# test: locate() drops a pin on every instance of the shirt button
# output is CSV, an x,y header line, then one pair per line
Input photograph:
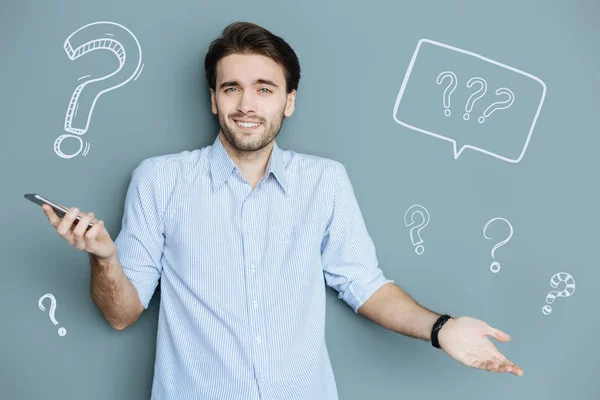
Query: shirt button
x,y
258,339
255,304
252,268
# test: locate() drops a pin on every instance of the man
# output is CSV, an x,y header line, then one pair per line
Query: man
x,y
241,234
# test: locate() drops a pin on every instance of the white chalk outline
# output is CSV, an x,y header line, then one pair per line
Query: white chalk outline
x,y
473,97
99,43
417,209
447,92
455,152
495,266
505,103
61,331
567,292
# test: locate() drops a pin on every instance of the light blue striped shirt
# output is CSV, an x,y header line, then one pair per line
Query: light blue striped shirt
x,y
243,271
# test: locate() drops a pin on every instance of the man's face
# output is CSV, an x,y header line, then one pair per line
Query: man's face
x,y
250,90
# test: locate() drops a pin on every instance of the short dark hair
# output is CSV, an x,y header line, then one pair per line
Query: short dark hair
x,y
249,38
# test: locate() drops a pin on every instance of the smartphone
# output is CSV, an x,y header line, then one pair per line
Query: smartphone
x,y
59,210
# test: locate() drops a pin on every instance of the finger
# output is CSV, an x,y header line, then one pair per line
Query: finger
x,y
52,217
64,227
80,229
94,230
505,365
482,365
498,334
509,366
500,357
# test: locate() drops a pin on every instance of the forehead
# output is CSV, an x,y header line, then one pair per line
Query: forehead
x,y
246,68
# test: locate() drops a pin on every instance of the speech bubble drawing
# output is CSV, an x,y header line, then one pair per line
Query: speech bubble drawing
x,y
504,135
101,35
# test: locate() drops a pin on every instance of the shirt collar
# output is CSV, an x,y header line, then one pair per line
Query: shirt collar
x,y
221,165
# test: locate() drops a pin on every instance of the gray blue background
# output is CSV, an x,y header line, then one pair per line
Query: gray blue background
x,y
354,56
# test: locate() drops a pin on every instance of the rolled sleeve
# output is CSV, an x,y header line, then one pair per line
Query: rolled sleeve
x,y
140,242
348,254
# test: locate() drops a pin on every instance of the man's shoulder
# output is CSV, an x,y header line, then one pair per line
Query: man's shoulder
x,y
305,161
174,161
181,157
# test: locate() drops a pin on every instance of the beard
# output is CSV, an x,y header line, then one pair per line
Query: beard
x,y
235,136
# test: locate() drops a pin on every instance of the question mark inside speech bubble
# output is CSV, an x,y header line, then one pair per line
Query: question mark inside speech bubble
x,y
495,266
102,35
61,331
496,106
447,92
479,93
556,279
409,220
416,106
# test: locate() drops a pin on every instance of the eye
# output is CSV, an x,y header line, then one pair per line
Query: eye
x,y
267,90
227,90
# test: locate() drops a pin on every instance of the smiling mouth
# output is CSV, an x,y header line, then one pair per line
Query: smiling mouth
x,y
249,126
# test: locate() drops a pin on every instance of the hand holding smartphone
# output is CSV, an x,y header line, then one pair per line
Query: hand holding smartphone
x,y
58,209
95,241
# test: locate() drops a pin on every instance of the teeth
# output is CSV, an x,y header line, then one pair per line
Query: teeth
x,y
247,124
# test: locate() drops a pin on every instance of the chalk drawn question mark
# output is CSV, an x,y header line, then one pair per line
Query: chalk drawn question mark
x,y
556,279
61,331
416,209
479,93
495,106
495,266
447,91
102,35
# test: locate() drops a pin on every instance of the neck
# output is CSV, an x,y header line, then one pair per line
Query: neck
x,y
252,164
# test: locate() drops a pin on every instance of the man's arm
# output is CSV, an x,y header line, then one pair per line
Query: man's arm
x,y
113,293
395,310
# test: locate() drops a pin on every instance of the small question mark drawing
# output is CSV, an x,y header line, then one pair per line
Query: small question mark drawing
x,y
496,106
556,279
61,331
495,266
479,93
413,210
102,35
449,89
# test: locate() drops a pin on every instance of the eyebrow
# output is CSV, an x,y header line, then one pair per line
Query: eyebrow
x,y
256,82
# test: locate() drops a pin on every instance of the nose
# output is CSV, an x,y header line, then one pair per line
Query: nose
x,y
247,104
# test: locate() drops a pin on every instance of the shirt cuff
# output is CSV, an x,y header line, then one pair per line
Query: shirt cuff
x,y
360,290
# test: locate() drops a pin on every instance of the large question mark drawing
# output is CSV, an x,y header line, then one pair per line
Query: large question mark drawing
x,y
479,93
556,279
449,89
61,331
102,35
413,210
495,266
496,106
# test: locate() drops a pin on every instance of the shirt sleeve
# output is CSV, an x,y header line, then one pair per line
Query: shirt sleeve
x,y
348,254
140,242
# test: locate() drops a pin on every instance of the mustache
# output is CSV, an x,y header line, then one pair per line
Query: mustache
x,y
252,118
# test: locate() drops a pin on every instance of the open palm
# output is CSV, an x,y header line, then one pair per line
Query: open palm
x,y
466,340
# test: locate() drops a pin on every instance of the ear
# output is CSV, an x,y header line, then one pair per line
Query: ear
x,y
213,101
291,100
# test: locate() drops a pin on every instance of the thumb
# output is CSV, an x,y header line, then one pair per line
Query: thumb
x,y
499,335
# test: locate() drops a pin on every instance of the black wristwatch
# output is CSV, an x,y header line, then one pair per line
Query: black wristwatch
x,y
436,328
